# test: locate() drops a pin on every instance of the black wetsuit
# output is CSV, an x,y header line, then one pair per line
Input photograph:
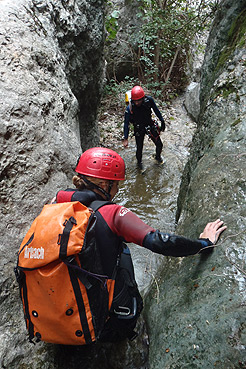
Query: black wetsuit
x,y
140,116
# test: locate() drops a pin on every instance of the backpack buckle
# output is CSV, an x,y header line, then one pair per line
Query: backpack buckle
x,y
122,310
71,220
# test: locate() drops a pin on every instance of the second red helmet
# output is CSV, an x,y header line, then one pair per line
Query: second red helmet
x,y
137,93
102,163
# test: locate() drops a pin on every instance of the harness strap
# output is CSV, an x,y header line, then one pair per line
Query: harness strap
x,y
64,237
81,307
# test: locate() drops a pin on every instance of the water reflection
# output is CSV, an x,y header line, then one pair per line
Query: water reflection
x,y
147,192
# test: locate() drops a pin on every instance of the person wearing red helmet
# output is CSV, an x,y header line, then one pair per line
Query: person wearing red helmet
x,y
139,112
99,171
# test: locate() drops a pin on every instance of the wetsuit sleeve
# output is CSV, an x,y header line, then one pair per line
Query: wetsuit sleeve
x,y
172,245
125,223
131,228
126,122
156,110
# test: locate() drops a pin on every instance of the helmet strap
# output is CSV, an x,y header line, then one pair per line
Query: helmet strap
x,y
92,186
110,186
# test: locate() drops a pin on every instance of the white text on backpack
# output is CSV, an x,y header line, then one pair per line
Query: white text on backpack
x,y
33,253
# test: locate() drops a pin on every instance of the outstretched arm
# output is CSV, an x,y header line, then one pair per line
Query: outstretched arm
x,y
172,245
131,228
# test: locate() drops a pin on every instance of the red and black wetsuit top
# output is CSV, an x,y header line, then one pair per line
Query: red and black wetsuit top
x,y
115,224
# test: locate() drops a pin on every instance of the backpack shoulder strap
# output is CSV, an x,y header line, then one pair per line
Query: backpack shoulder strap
x,y
130,107
97,204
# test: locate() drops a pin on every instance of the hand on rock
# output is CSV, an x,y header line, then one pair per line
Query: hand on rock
x,y
213,230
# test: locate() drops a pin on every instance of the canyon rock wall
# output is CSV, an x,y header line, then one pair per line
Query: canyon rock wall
x,y
51,75
196,317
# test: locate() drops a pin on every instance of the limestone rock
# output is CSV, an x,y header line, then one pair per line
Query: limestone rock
x,y
192,102
51,74
200,320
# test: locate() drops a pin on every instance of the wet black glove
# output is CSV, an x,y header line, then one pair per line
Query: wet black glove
x,y
172,245
163,126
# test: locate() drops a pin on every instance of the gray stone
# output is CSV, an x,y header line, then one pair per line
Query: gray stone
x,y
51,75
192,102
199,321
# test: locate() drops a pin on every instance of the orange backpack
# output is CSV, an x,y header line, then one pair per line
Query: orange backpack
x,y
66,299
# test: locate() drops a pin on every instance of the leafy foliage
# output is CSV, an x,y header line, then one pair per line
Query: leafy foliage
x,y
114,92
162,45
111,24
169,28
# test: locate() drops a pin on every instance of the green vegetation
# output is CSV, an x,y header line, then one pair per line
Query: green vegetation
x,y
114,94
114,88
236,38
111,24
161,46
225,90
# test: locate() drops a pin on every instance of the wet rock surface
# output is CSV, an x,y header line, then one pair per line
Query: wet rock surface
x,y
198,319
42,44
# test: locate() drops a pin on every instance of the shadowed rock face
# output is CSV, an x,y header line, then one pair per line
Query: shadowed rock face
x,y
120,51
199,318
51,73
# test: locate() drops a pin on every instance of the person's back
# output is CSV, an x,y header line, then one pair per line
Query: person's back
x,y
99,171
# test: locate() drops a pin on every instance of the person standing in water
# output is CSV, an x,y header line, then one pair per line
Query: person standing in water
x,y
139,112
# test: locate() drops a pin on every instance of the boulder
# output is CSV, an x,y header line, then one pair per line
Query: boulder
x,y
192,102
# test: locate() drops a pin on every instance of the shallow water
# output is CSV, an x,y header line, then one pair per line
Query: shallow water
x,y
152,193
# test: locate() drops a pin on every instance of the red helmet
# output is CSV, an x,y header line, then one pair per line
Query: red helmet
x,y
102,163
137,93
